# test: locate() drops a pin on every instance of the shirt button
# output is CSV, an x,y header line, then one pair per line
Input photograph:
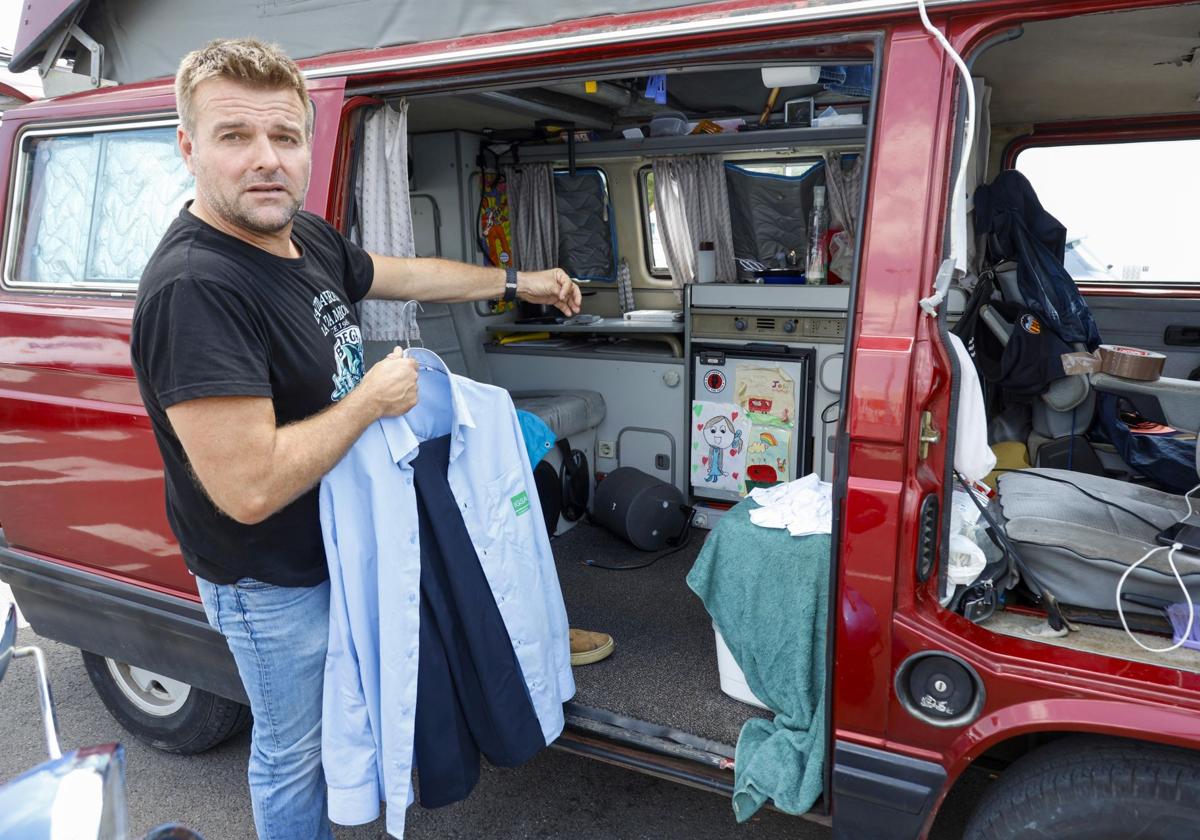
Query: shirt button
x,y
408,480
412,539
412,598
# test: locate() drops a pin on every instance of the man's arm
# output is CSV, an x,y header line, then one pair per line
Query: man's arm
x,y
251,468
446,281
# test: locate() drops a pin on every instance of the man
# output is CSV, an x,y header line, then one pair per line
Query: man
x,y
243,326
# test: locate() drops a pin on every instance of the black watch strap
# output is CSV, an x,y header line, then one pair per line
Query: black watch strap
x,y
510,283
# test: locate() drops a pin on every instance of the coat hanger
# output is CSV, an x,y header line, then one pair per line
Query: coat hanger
x,y
410,332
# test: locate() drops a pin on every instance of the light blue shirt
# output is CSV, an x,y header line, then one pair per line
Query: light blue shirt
x,y
369,522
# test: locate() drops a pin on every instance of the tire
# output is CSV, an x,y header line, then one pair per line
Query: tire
x,y
1093,788
166,714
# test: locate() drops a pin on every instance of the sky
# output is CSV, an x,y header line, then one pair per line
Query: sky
x,y
1135,203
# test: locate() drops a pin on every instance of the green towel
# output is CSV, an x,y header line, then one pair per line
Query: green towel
x,y
768,593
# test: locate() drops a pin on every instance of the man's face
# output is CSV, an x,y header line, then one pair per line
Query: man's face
x,y
249,153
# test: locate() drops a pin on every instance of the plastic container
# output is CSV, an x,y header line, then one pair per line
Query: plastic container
x,y
706,263
733,681
818,225
669,124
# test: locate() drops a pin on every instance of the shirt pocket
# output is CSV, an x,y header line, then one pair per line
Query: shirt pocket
x,y
511,509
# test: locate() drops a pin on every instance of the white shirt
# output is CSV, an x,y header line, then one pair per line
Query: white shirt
x,y
973,458
369,522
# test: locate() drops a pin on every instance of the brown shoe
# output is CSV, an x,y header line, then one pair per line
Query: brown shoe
x,y
588,647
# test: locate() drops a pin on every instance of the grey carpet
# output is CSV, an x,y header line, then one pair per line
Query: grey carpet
x,y
664,666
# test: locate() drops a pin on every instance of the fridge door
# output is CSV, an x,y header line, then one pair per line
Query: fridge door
x,y
750,422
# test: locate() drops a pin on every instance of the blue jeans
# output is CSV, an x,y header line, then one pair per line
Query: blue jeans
x,y
278,636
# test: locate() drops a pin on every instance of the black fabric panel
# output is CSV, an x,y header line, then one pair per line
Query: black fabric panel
x,y
768,214
585,236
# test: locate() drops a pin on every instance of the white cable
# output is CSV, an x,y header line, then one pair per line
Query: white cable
x,y
1183,637
958,205
1187,498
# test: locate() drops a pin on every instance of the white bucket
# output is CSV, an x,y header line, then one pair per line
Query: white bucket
x,y
733,681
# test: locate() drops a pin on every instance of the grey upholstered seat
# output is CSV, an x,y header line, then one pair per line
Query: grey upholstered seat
x,y
567,413
1079,546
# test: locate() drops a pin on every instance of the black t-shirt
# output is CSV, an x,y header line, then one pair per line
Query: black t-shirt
x,y
216,316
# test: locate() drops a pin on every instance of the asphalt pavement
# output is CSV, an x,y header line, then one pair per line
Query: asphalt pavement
x,y
554,796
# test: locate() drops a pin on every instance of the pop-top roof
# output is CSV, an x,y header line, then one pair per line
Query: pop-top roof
x,y
143,39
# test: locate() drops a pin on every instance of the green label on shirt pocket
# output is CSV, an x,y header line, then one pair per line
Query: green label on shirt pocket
x,y
520,503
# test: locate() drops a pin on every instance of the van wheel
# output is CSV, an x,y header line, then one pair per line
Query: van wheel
x,y
1093,788
165,713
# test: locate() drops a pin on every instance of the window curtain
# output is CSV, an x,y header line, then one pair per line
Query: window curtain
x,y
384,211
843,182
534,214
691,201
977,168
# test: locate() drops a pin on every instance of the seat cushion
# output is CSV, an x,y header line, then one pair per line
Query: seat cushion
x,y
565,412
1078,546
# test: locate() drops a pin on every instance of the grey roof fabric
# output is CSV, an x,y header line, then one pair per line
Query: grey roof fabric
x,y
585,233
1079,547
145,40
565,412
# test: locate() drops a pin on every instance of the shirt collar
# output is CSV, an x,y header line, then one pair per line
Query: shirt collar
x,y
402,443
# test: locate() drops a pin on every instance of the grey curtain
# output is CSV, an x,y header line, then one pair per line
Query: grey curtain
x,y
843,188
691,201
385,214
534,215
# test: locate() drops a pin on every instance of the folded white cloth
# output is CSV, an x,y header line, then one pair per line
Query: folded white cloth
x,y
803,506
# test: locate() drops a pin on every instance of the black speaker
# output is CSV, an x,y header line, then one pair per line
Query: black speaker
x,y
940,689
639,508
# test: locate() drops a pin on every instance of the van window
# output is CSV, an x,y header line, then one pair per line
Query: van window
x,y
92,206
655,252
1128,208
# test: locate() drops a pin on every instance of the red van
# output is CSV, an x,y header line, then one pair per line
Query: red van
x,y
1096,103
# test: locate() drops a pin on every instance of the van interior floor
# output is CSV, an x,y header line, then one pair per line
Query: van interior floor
x,y
664,664
1106,641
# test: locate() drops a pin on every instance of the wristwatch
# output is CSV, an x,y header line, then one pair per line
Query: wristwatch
x,y
510,283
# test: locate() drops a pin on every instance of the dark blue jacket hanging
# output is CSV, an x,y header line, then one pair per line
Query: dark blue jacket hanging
x,y
1019,229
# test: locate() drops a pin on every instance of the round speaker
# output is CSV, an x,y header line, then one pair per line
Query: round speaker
x,y
639,508
940,688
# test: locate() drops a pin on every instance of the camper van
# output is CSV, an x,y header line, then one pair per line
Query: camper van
x,y
794,211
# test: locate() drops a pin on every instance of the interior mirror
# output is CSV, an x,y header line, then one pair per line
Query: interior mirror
x,y
8,638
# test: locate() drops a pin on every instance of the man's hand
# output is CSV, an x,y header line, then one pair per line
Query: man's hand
x,y
391,384
552,286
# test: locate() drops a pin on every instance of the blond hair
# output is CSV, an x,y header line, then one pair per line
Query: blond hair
x,y
246,60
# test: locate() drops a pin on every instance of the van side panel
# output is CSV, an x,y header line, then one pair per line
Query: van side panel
x,y
80,475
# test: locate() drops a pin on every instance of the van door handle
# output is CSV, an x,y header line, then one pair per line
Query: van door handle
x,y
928,435
1178,335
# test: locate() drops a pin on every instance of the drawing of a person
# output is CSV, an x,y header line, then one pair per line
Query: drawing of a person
x,y
720,435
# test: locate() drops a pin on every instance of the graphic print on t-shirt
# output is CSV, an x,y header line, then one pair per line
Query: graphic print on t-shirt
x,y
333,317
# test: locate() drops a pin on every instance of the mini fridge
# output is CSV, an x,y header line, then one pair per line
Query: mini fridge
x,y
751,417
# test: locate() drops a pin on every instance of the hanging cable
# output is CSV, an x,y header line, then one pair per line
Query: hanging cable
x,y
957,261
